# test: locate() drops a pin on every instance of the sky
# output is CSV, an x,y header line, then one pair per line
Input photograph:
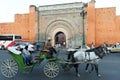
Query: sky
x,y
8,8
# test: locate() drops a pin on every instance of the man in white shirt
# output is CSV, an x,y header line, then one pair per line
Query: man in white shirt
x,y
26,55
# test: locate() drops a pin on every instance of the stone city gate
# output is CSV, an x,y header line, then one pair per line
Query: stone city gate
x,y
61,18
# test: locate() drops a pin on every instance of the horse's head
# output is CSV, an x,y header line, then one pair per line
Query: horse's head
x,y
100,51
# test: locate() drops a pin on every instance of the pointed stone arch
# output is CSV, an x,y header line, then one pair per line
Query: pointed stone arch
x,y
60,25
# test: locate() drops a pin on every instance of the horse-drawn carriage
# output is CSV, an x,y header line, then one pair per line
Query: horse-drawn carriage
x,y
10,67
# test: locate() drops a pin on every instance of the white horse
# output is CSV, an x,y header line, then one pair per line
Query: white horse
x,y
91,56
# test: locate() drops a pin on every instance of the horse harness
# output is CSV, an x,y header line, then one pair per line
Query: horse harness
x,y
96,50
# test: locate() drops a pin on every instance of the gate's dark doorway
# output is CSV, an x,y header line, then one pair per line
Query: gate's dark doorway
x,y
60,39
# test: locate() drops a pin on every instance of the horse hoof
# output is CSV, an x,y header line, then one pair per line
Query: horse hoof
x,y
86,71
99,75
66,70
78,75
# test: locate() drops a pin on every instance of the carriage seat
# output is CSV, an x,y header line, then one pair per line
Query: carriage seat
x,y
14,50
37,58
45,51
42,51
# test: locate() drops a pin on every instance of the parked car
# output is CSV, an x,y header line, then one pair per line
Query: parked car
x,y
114,48
39,45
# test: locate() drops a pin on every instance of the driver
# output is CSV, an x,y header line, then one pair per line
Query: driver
x,y
49,47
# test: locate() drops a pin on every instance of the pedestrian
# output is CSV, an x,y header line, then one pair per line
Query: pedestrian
x,y
64,44
70,45
106,44
92,45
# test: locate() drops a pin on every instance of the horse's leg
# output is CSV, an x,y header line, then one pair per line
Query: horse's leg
x,y
76,69
97,71
73,59
86,68
66,67
92,68
68,56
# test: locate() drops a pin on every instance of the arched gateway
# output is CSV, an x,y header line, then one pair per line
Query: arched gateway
x,y
60,38
58,26
62,19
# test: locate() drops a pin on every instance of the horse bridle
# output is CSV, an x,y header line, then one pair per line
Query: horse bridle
x,y
99,51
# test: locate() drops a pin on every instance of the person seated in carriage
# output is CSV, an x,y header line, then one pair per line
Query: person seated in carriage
x,y
50,48
27,58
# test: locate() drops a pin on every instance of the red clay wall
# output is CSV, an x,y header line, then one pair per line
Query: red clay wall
x,y
6,28
118,28
32,24
90,29
24,25
103,24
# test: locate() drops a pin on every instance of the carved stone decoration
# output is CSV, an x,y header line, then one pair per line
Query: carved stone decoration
x,y
65,18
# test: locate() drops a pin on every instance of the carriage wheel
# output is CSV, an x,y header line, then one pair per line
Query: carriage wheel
x,y
9,68
51,69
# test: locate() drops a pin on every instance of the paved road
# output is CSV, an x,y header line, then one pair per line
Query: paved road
x,y
109,67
